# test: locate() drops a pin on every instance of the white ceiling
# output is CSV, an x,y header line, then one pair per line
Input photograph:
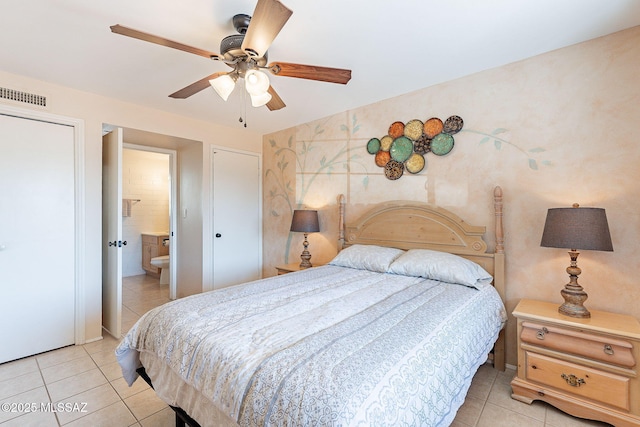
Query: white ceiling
x,y
393,47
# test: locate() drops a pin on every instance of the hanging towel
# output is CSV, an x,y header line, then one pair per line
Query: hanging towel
x,y
126,207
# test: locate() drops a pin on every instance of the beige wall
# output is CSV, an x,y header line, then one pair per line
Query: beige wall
x,y
551,130
96,110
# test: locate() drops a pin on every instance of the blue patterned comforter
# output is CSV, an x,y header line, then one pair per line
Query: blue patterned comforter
x,y
329,346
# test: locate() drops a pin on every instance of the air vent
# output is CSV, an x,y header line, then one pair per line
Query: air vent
x,y
24,97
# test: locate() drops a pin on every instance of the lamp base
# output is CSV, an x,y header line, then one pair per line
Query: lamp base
x,y
573,300
305,260
573,294
305,256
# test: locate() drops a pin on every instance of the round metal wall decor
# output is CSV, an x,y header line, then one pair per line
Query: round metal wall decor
x,y
401,149
373,146
382,158
406,144
441,144
415,163
393,170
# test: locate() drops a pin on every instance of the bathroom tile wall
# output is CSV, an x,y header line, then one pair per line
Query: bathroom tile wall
x,y
145,177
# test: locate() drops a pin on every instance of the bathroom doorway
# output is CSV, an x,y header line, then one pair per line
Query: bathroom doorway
x,y
148,220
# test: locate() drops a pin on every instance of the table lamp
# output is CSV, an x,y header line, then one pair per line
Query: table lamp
x,y
305,221
576,228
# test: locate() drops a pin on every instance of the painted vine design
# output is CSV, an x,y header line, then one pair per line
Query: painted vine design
x,y
499,141
283,187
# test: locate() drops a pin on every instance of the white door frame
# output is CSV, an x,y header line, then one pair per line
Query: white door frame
x,y
173,219
207,283
79,203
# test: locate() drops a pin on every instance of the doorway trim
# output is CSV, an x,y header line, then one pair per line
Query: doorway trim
x,y
79,204
173,221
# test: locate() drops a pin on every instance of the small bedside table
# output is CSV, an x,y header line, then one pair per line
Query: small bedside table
x,y
585,367
288,268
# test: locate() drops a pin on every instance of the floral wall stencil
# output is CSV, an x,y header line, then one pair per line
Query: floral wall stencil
x,y
299,168
552,130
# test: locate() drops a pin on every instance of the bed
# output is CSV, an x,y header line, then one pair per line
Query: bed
x,y
390,332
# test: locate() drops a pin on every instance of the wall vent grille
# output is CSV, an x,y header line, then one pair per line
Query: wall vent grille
x,y
25,97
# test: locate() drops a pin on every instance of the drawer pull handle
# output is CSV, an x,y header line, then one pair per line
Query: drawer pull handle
x,y
608,349
541,333
572,380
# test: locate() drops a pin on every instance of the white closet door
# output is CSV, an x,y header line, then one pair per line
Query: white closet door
x,y
236,218
37,237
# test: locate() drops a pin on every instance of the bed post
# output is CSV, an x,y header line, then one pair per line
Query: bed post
x,y
341,204
499,276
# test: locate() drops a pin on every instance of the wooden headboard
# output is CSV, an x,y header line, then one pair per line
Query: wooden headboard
x,y
411,225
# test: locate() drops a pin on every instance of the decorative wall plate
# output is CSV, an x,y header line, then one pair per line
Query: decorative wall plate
x,y
453,125
442,144
396,130
401,149
382,158
415,163
373,146
413,129
385,143
432,127
393,170
422,145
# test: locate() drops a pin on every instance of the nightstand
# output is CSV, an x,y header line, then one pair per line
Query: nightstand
x,y
288,268
585,367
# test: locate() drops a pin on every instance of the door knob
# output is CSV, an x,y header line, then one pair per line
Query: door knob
x,y
218,235
114,243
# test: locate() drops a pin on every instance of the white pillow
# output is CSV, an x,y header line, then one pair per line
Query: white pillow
x,y
441,266
367,257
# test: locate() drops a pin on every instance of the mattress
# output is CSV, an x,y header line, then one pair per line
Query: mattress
x,y
329,346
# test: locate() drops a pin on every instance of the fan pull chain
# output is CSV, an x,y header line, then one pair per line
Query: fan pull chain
x,y
244,105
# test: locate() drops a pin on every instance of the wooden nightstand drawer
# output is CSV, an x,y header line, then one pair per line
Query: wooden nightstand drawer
x,y
586,382
597,347
587,367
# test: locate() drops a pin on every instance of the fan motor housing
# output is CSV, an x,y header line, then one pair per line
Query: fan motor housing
x,y
231,48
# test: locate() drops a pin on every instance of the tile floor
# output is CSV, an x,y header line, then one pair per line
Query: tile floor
x,y
90,374
87,374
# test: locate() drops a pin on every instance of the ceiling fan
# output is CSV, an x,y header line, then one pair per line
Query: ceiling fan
x,y
246,54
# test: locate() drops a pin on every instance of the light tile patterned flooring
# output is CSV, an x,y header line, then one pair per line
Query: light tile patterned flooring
x,y
89,373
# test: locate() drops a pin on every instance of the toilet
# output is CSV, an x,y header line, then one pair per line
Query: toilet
x,y
163,263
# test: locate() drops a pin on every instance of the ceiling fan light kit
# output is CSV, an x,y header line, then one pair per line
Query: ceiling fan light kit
x,y
246,54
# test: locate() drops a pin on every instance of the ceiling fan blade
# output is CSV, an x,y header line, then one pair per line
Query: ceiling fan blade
x,y
130,32
196,87
268,19
276,102
310,72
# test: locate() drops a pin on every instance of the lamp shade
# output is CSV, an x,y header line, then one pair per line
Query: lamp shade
x,y
577,228
256,82
223,85
260,100
305,221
